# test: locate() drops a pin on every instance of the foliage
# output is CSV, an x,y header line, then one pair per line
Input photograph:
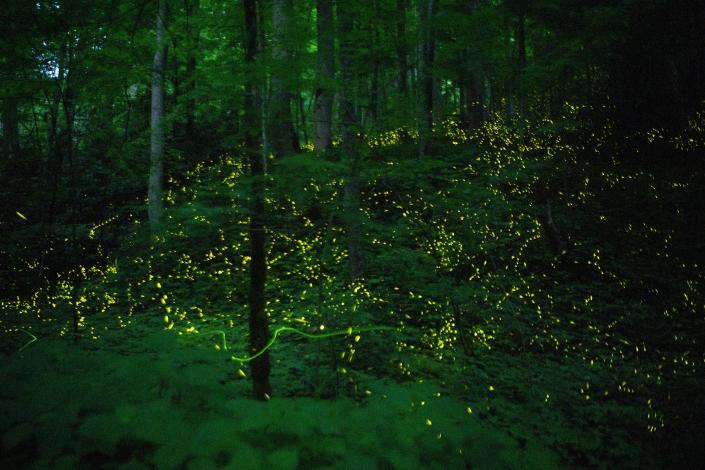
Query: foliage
x,y
532,292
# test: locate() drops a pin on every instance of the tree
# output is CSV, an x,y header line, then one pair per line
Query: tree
x,y
402,55
259,328
282,135
325,68
192,7
10,128
521,58
350,145
156,167
426,51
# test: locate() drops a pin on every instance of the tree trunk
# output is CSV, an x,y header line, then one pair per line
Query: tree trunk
x,y
325,69
259,328
128,114
282,135
55,161
438,106
175,87
190,78
350,144
373,109
265,87
521,52
402,57
488,106
426,13
156,168
68,102
10,128
301,110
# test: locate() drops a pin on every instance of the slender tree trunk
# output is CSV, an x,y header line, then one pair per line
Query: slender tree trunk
x,y
259,328
521,52
426,12
191,101
402,56
156,167
176,130
463,103
350,144
264,91
438,106
374,102
10,128
510,82
54,173
282,135
55,161
69,119
325,68
302,115
128,114
374,95
68,102
372,110
192,7
488,106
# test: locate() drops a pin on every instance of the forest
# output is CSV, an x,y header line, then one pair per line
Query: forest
x,y
354,234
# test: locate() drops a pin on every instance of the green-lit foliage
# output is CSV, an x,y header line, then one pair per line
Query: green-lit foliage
x,y
462,264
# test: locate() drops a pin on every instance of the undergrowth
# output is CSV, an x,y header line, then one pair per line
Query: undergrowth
x,y
545,307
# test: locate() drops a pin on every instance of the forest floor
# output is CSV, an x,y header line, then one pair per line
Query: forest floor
x,y
504,354
142,399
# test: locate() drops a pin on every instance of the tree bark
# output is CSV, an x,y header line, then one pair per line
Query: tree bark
x,y
488,106
402,56
350,144
10,128
259,328
68,101
282,134
426,11
55,161
265,87
128,115
325,69
192,7
521,62
374,100
156,167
